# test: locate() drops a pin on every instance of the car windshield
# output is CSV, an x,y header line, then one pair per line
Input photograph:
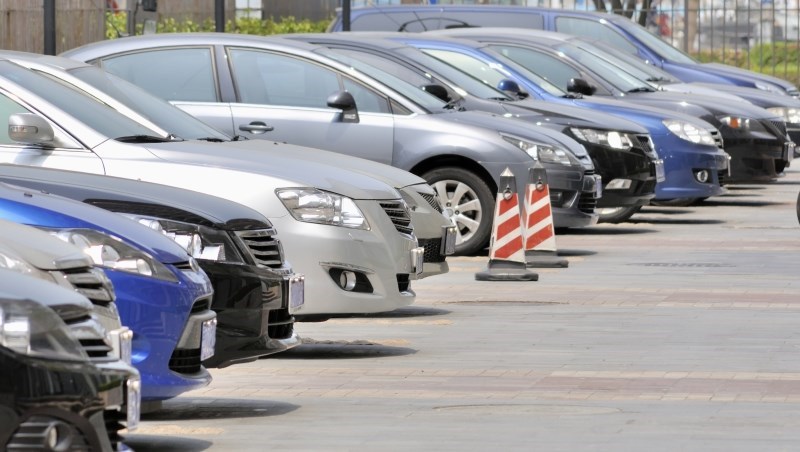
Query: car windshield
x,y
630,63
411,92
613,74
488,73
654,43
89,110
163,114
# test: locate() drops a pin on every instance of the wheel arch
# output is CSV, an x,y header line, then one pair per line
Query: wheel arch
x,y
442,161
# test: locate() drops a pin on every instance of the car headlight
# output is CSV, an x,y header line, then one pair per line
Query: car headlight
x,y
689,132
110,252
736,122
790,115
200,242
316,206
542,152
610,138
31,329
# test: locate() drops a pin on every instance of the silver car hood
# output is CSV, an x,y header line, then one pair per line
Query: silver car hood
x,y
39,248
517,127
291,156
289,173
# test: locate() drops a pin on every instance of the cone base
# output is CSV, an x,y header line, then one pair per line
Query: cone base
x,y
544,259
506,271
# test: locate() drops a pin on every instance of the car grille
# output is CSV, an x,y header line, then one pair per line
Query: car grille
x,y
717,138
432,200
403,282
280,324
92,283
587,203
398,213
185,361
31,435
432,250
781,126
96,346
263,247
646,142
721,175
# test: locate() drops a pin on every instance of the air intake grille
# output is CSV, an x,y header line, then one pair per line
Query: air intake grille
x,y
90,335
91,283
646,142
398,213
432,250
403,282
185,361
781,126
264,248
280,324
432,200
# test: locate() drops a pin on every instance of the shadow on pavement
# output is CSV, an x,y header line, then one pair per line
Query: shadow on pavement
x,y
605,230
667,220
156,443
194,408
409,311
575,253
737,203
357,349
664,210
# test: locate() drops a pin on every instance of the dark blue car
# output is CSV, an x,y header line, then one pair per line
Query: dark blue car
x,y
162,294
616,30
694,162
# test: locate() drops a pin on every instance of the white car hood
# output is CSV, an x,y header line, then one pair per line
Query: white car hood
x,y
693,88
289,172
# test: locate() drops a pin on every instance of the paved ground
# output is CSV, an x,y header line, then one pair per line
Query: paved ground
x,y
678,331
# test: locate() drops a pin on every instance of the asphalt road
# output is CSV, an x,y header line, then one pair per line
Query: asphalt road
x,y
676,331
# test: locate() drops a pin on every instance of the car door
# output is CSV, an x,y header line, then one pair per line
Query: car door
x,y
69,154
284,98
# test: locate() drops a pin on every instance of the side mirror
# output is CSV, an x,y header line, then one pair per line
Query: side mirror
x,y
28,128
580,86
342,100
509,86
438,91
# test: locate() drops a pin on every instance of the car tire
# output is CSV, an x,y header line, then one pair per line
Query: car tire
x,y
616,214
457,188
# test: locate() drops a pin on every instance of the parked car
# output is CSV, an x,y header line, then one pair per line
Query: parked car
x,y
616,30
51,395
288,92
694,162
335,224
755,138
239,250
434,231
37,267
629,171
161,293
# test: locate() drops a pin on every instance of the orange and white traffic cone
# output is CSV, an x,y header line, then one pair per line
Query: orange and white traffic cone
x,y
540,236
506,256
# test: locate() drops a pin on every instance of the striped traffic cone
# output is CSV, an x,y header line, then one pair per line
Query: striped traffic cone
x,y
540,236
506,256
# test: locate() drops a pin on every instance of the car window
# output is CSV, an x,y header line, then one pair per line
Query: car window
x,y
8,107
367,100
546,66
421,20
273,79
594,29
171,74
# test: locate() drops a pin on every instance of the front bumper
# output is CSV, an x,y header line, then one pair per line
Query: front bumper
x,y
380,258
253,318
633,166
36,393
159,312
682,160
754,160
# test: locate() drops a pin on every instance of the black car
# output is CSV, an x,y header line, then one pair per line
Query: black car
x,y
254,286
629,175
53,396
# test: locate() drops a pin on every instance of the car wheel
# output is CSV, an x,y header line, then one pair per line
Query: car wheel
x,y
616,214
677,202
469,201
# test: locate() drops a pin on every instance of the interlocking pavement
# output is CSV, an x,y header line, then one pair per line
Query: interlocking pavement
x,y
676,331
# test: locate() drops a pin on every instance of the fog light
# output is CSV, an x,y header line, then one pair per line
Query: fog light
x,y
556,197
57,436
347,280
618,184
702,176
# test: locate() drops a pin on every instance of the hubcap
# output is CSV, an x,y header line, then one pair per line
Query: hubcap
x,y
459,198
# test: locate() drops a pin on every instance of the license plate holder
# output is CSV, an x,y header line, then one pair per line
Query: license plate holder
x,y
660,176
297,292
133,403
417,259
448,240
788,151
208,339
598,187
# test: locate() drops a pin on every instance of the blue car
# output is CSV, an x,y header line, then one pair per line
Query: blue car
x,y
162,294
618,31
694,163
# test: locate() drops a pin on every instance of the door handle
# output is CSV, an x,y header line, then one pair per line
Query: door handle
x,y
256,128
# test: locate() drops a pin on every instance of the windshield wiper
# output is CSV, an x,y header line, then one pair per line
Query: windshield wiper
x,y
211,139
642,89
147,139
454,104
657,79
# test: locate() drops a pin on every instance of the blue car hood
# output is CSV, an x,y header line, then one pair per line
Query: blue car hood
x,y
570,115
743,75
42,209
